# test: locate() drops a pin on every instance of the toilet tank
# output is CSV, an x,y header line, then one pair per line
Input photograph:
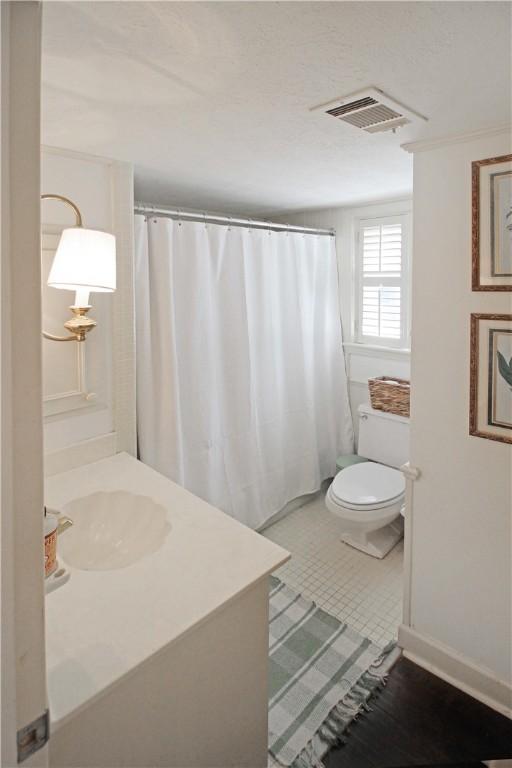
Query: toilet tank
x,y
383,437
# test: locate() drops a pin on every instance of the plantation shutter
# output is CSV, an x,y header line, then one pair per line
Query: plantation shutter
x,y
382,300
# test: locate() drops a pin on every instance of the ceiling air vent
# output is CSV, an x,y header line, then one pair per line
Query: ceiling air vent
x,y
370,110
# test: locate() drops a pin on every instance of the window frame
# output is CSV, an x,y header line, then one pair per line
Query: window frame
x,y
404,342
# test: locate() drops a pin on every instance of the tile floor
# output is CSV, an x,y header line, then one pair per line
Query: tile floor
x,y
358,589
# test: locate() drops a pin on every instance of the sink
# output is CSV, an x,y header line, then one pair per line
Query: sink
x,y
112,530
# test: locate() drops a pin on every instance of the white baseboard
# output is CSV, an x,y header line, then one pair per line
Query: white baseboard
x,y
81,453
456,669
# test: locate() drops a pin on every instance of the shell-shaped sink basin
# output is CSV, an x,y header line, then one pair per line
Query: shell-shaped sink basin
x,y
111,530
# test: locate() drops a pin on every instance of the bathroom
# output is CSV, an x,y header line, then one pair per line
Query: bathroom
x,y
219,420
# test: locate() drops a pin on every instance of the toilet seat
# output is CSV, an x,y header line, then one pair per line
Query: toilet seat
x,y
367,486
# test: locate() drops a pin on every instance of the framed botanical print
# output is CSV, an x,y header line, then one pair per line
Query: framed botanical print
x,y
492,224
491,377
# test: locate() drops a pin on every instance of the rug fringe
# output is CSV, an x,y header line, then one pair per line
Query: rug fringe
x,y
353,705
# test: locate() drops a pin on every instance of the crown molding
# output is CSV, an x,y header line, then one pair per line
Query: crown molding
x,y
75,155
444,141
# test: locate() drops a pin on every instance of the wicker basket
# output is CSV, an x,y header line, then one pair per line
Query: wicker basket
x,y
390,394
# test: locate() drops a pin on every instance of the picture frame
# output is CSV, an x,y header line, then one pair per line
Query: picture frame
x,y
492,224
490,411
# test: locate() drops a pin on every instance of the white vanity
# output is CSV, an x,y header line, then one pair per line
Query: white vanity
x,y
157,646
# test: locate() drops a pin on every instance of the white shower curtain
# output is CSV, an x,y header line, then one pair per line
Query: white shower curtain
x,y
241,386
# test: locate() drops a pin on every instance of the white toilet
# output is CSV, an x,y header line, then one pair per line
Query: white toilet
x,y
368,497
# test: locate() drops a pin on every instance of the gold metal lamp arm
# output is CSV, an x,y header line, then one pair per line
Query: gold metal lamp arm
x,y
69,202
52,337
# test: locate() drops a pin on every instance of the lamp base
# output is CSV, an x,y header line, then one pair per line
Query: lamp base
x,y
80,324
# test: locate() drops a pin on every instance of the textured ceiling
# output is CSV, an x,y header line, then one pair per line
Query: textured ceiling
x,y
211,100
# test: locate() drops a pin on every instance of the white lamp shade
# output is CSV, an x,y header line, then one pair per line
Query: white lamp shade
x,y
85,259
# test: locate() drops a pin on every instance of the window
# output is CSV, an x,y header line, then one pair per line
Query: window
x,y
382,282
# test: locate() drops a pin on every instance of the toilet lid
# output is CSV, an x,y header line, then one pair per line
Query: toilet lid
x,y
368,484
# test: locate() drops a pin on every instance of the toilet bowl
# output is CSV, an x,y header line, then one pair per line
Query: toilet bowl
x,y
367,498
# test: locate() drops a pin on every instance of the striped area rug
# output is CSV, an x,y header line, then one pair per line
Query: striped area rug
x,y
322,673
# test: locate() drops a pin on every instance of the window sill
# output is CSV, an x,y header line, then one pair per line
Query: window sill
x,y
376,350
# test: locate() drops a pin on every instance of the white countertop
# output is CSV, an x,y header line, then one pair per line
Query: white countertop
x,y
103,624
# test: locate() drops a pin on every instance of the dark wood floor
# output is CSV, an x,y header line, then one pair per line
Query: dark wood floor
x,y
419,720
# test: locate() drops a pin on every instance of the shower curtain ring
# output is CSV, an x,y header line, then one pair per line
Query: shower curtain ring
x,y
204,220
179,217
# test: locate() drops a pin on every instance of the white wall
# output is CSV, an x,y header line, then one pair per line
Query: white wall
x,y
91,415
461,537
363,361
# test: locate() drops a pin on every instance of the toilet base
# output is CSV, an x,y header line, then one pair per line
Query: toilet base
x,y
377,543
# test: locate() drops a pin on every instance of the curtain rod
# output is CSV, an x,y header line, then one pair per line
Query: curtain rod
x,y
176,213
